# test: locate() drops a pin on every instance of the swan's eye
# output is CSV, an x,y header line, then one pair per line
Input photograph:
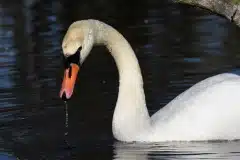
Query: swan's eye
x,y
79,49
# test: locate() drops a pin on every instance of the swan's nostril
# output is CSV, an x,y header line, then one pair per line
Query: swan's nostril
x,y
64,97
70,72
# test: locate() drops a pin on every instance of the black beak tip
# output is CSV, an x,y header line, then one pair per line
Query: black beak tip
x,y
64,97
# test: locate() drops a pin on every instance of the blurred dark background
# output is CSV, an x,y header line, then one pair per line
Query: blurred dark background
x,y
177,46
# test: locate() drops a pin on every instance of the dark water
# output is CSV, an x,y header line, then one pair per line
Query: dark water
x,y
176,45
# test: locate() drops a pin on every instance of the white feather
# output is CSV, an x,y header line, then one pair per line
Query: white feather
x,y
208,110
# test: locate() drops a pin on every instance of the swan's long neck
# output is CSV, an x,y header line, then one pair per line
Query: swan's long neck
x,y
130,117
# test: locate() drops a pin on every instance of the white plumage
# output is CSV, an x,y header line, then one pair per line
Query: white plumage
x,y
209,110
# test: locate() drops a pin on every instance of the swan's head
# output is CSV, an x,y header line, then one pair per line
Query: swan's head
x,y
76,46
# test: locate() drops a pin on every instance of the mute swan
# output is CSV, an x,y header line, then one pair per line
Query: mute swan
x,y
209,110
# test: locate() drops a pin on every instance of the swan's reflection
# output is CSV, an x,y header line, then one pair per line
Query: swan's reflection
x,y
130,151
176,150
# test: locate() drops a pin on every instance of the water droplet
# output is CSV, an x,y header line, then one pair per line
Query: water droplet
x,y
66,119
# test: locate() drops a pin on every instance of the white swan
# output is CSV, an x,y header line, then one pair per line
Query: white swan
x,y
209,110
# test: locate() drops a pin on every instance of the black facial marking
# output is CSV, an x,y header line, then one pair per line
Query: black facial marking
x,y
75,58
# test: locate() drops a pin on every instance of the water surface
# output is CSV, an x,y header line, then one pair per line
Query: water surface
x,y
177,46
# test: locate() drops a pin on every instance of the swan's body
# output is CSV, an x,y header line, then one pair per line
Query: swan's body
x,y
208,110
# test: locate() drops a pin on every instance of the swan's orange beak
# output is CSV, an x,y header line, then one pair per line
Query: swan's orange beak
x,y
69,79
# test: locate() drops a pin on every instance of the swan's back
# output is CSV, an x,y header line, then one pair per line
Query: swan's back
x,y
208,110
